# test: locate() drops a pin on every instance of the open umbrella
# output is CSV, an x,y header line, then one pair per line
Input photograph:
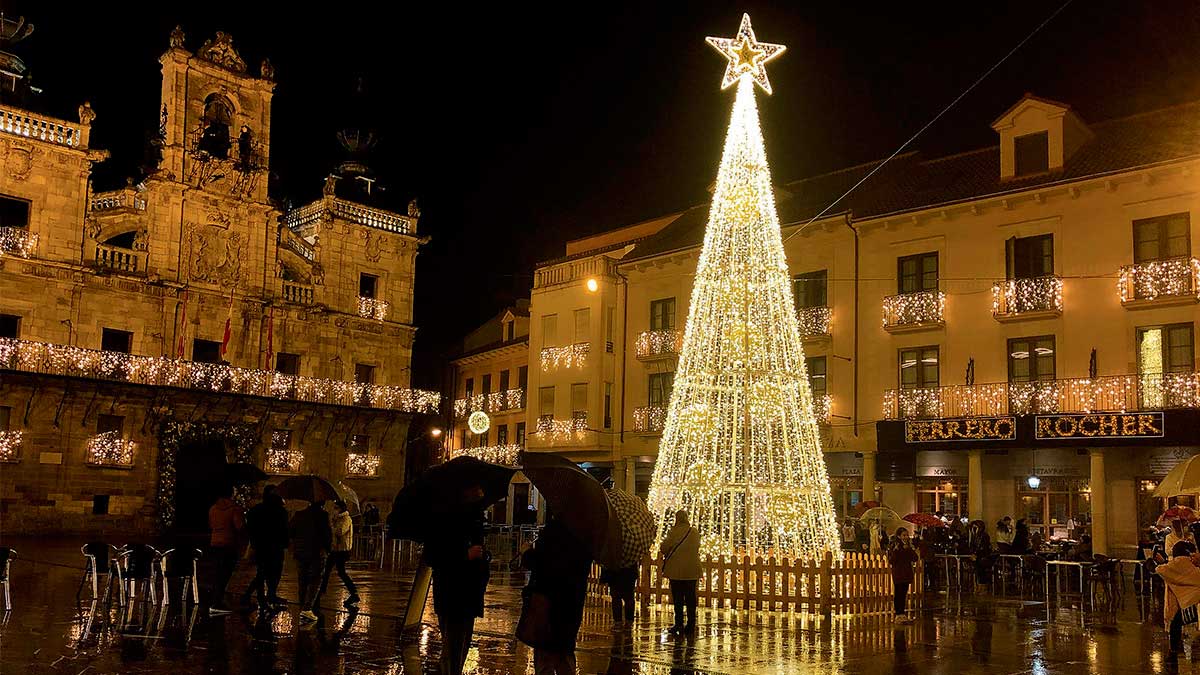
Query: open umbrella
x,y
240,473
349,496
439,491
578,501
637,526
882,516
1183,513
1184,479
925,520
308,489
862,507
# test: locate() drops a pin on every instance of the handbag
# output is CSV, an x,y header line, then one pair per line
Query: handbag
x,y
534,627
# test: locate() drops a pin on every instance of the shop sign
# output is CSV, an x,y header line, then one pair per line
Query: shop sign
x,y
1104,425
967,429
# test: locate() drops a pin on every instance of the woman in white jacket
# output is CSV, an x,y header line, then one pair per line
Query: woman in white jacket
x,y
681,564
343,542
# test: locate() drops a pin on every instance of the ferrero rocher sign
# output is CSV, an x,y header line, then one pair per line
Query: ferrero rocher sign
x,y
1100,425
966,429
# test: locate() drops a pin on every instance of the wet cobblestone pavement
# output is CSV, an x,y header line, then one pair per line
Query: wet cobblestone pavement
x,y
47,633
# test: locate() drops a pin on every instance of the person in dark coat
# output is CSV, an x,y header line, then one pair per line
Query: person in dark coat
x,y
454,550
1020,542
559,565
312,539
621,582
267,523
902,557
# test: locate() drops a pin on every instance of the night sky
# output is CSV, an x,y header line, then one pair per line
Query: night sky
x,y
519,129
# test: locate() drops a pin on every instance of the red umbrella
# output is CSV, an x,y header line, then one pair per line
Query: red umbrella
x,y
924,520
1179,513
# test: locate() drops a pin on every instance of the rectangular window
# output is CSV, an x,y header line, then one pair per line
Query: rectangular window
x,y
1031,359
487,384
1166,349
206,351
1029,257
546,401
288,364
10,326
660,389
609,313
368,285
360,444
1162,237
509,330
662,314
1032,153
550,330
579,398
608,405
469,387
107,423
462,440
281,439
812,289
521,434
100,505
13,212
583,319
504,380
112,340
523,377
817,379
5,417
364,374
919,368
918,272
502,434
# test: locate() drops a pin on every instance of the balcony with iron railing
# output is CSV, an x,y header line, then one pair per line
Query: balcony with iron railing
x,y
10,445
111,450
550,431
658,344
160,371
1160,282
814,322
499,401
284,461
119,259
373,308
823,408
1110,393
505,455
18,241
362,465
914,311
649,419
569,356
1029,298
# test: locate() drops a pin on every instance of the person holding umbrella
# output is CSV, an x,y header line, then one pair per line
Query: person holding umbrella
x,y
311,538
558,567
343,541
454,550
267,523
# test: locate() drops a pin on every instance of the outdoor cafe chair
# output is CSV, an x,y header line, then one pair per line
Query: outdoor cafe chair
x,y
1034,568
6,557
101,558
181,564
1104,573
138,563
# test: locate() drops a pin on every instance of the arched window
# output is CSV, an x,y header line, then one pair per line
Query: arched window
x,y
218,115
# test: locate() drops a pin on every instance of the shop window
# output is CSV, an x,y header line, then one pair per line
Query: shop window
x,y
1029,257
1031,359
662,314
1032,153
1059,509
1162,237
812,289
942,496
918,273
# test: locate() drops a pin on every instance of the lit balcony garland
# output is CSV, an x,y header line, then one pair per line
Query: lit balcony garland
x,y
10,445
17,241
362,465
740,449
551,431
371,308
655,343
570,356
510,399
40,357
1112,393
1018,296
649,419
1172,277
823,408
814,321
109,449
907,309
281,458
496,454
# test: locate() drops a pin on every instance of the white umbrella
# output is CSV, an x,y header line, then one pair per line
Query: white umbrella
x,y
1184,479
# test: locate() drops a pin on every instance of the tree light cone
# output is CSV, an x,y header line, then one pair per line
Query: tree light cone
x,y
741,451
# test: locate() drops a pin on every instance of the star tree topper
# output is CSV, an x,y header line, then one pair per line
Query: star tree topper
x,y
747,56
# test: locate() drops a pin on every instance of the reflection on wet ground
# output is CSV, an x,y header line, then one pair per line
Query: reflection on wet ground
x,y
47,632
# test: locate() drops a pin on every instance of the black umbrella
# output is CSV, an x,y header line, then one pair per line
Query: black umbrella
x,y
240,473
577,499
439,491
308,488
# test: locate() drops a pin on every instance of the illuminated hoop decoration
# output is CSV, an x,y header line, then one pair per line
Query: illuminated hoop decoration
x,y
479,422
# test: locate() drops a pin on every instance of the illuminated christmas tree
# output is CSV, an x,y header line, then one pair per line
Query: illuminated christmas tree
x,y
741,451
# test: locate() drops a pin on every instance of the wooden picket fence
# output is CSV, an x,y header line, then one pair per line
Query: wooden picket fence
x,y
836,583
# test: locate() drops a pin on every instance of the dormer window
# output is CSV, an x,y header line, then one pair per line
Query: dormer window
x,y
1032,153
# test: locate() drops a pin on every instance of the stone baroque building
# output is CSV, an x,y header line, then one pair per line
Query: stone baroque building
x,y
150,334
1026,310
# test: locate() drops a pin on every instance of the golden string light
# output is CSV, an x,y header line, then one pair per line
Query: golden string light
x,y
362,465
650,418
109,449
284,461
10,445
741,449
1169,277
510,399
653,343
40,357
496,454
17,241
370,308
814,320
570,356
913,308
1017,296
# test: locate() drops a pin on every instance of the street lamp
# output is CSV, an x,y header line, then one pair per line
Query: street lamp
x,y
1033,482
436,432
592,285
